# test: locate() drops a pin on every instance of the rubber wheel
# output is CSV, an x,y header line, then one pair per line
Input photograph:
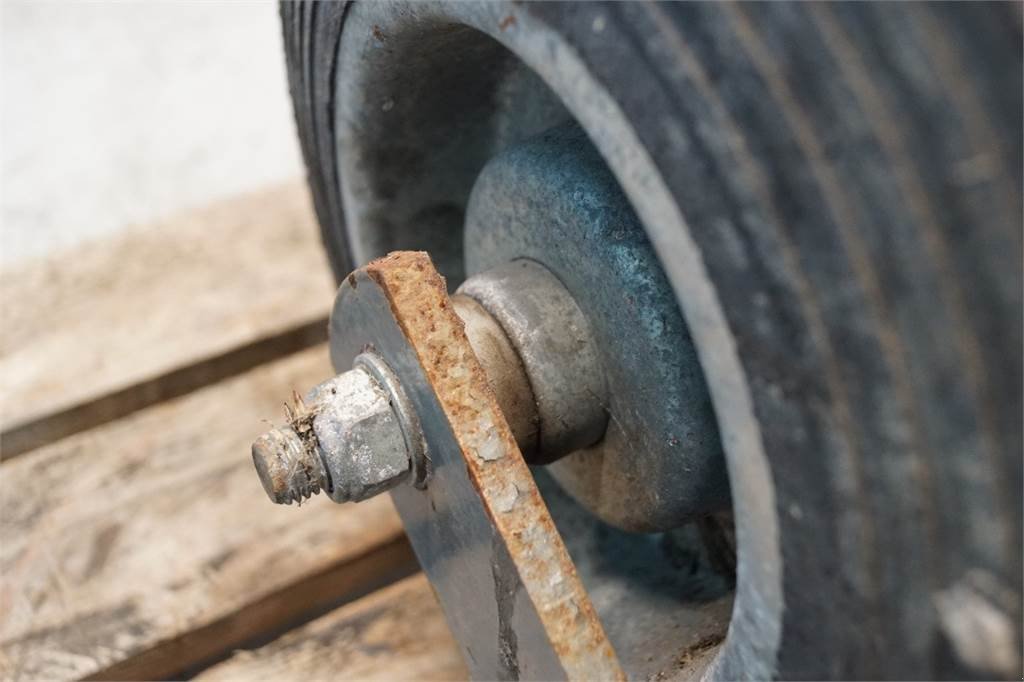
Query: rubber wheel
x,y
851,175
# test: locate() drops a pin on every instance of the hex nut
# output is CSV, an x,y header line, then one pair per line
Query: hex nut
x,y
360,437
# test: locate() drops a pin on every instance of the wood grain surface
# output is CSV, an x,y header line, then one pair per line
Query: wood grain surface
x,y
397,633
108,328
144,547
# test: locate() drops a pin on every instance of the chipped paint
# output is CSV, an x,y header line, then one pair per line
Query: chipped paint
x,y
505,501
491,449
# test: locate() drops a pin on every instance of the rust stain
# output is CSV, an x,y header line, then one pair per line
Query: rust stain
x,y
378,34
418,298
507,22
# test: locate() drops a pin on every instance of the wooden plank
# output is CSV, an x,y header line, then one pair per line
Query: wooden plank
x,y
398,633
147,546
95,333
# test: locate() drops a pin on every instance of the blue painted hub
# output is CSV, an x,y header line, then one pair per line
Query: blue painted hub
x,y
552,199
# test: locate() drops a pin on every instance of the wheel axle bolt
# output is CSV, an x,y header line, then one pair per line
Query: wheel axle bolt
x,y
360,434
288,470
349,441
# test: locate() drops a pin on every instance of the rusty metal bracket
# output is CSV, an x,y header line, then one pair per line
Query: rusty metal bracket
x,y
483,534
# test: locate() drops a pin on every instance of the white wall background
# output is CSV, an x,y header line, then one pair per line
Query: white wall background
x,y
113,115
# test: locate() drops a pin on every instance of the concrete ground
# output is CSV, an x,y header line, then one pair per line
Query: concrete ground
x,y
113,115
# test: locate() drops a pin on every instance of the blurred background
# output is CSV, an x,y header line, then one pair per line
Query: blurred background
x,y
117,114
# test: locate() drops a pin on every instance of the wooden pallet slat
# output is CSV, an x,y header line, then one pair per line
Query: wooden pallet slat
x,y
136,540
114,326
143,547
397,633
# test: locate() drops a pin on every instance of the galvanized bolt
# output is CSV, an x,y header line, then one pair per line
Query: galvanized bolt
x,y
288,470
350,441
360,434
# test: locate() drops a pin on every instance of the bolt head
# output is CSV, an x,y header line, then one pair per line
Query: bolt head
x,y
360,436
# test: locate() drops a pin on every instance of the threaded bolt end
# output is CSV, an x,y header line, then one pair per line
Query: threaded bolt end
x,y
288,469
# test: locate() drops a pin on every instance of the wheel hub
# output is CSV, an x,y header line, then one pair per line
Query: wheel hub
x,y
552,200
